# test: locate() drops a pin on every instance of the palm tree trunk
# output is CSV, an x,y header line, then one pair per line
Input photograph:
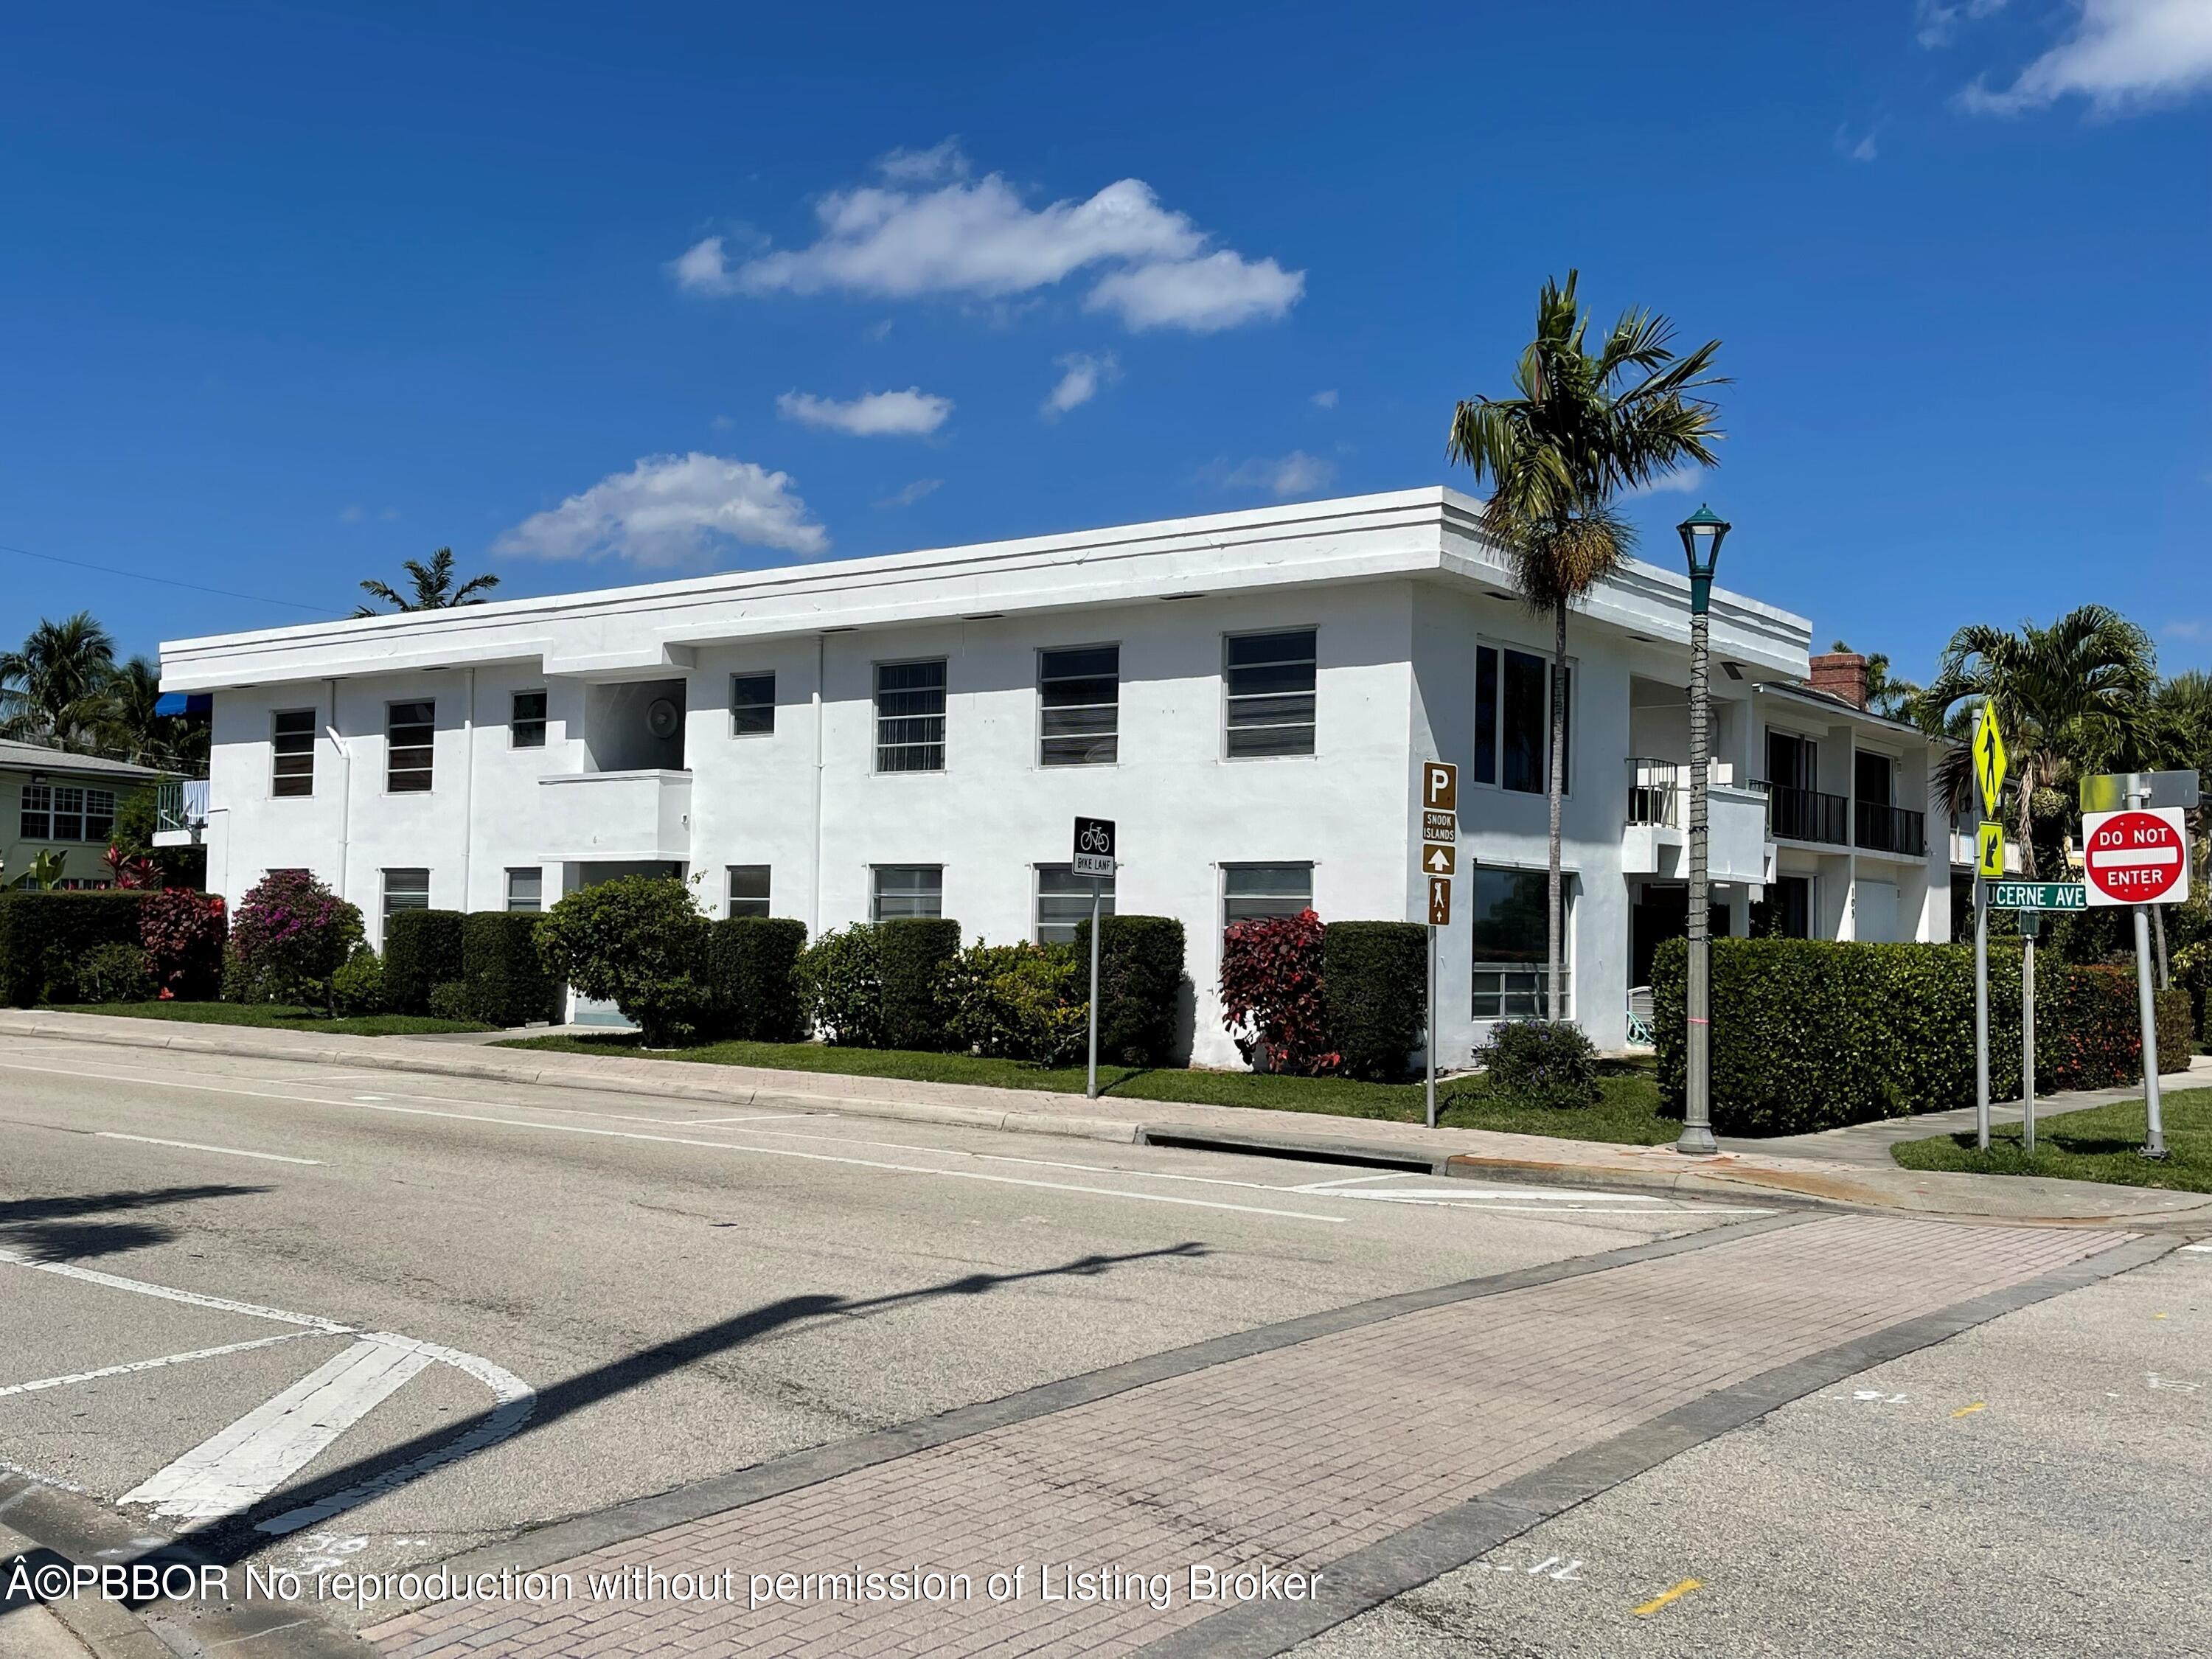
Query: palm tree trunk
x,y
1556,779
2027,818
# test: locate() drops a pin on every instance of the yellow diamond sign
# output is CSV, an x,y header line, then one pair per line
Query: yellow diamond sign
x,y
1989,852
1990,765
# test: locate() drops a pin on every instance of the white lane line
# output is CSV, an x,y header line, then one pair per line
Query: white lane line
x,y
6,1467
2204,1248
195,1147
718,1146
1462,1193
233,1470
762,1117
151,1364
1348,1181
220,1304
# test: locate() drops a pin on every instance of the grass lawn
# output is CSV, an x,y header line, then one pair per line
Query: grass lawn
x,y
2097,1145
274,1016
1628,1112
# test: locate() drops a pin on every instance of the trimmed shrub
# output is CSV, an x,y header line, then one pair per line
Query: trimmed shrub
x,y
1375,987
358,988
1271,998
289,934
114,973
841,986
44,936
914,951
1139,982
184,933
753,962
422,950
1018,1002
457,999
1539,1062
638,942
507,982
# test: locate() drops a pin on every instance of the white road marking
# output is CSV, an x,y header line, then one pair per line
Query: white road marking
x,y
6,1467
2207,1249
151,1364
220,1304
233,1470
195,1147
762,1117
1348,1181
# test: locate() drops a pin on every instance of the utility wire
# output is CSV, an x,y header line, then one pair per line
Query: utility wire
x,y
168,581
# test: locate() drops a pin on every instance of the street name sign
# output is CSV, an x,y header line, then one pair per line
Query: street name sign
x,y
1439,901
2110,791
2136,857
1439,860
2033,895
1989,851
1094,847
1990,761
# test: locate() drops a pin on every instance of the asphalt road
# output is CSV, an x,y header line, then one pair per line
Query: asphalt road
x,y
643,1294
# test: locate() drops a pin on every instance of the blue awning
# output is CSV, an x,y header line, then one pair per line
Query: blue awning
x,y
184,702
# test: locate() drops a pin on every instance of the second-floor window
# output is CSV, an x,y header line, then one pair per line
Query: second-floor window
x,y
910,716
1270,694
1513,719
1079,706
409,728
292,752
752,705
525,720
67,812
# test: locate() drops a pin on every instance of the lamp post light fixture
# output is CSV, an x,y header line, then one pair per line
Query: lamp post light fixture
x,y
1702,533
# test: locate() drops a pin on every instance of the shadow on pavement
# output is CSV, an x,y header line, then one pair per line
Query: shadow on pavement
x,y
49,1230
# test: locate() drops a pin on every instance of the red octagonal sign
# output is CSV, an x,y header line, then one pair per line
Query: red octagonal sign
x,y
2139,857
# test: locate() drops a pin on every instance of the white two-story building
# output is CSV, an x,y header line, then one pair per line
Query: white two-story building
x,y
1248,695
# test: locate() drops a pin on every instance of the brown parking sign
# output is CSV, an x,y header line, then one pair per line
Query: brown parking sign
x,y
1439,786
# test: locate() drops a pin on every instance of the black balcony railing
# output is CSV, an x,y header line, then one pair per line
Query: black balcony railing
x,y
1656,790
1891,829
1794,814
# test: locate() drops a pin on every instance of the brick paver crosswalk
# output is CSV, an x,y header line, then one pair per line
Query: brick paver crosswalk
x,y
1287,1460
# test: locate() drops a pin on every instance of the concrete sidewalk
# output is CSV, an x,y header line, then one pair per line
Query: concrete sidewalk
x,y
1745,1173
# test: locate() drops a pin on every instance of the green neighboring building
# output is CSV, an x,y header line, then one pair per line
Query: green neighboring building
x,y
50,799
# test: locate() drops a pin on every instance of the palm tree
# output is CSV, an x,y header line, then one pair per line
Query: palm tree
x,y
1891,695
50,689
125,726
434,586
1583,427
2071,699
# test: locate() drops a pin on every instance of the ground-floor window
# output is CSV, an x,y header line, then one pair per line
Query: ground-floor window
x,y
1786,912
908,889
526,888
1505,913
748,889
405,890
1063,899
1253,892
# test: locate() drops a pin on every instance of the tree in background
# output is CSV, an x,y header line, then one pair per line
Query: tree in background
x,y
1888,695
50,688
1583,427
433,585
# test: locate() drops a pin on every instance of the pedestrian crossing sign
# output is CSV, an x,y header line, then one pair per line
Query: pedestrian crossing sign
x,y
1989,852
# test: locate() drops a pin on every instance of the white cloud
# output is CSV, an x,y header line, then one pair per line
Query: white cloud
x,y
1937,22
352,512
1861,148
1324,399
1080,381
671,510
912,413
2120,55
911,493
1295,474
978,238
2187,628
1682,481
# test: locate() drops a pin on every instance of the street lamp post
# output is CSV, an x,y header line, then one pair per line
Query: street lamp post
x,y
1702,533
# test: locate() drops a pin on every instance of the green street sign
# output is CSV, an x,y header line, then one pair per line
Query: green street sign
x,y
2038,896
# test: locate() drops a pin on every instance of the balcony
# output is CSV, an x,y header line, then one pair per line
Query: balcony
x,y
1890,829
180,811
620,817
1794,814
1655,840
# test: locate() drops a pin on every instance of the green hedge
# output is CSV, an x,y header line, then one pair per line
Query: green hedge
x,y
507,980
1375,982
752,962
422,950
914,952
1812,1034
1141,971
44,935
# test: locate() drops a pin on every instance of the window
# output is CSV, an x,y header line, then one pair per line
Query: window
x,y
1063,899
1079,706
908,889
910,717
1505,915
1270,695
292,752
1513,719
1250,892
408,729
749,889
1786,911
526,888
405,890
1792,761
752,705
1874,778
525,720
67,812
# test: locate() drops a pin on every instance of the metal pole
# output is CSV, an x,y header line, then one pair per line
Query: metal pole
x,y
1981,1013
1090,1086
2027,1048
2146,1002
1429,1083
1697,1138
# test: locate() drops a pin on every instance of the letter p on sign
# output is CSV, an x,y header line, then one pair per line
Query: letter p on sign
x,y
1440,787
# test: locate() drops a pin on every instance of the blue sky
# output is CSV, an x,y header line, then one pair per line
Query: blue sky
x,y
597,296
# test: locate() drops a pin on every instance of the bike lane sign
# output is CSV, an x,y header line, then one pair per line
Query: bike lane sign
x,y
1094,848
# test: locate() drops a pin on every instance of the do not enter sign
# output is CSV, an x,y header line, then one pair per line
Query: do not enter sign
x,y
2138,857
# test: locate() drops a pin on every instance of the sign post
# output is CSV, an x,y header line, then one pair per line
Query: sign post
x,y
1094,857
1437,801
2030,924
2138,857
1990,765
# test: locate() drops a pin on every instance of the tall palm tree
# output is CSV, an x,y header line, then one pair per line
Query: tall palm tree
x,y
2072,698
1891,695
1584,426
125,726
434,586
50,688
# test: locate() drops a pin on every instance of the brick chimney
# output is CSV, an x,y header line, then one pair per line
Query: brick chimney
x,y
1841,674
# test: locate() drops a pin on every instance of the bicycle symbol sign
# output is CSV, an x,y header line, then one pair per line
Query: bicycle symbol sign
x,y
1094,847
